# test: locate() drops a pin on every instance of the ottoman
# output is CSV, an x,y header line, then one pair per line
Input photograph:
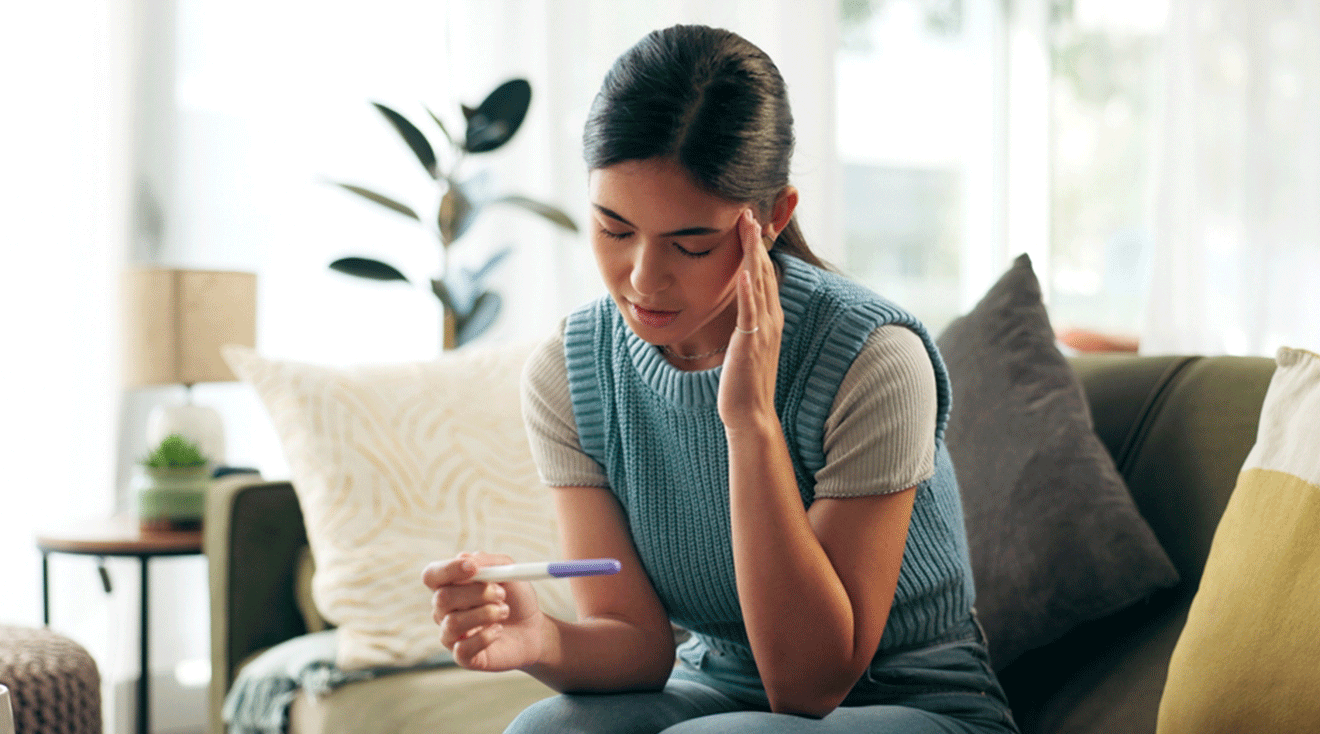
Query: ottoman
x,y
53,683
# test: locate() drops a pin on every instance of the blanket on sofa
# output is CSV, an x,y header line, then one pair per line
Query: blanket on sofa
x,y
258,702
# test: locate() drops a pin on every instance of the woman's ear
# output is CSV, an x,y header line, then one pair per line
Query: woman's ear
x,y
785,205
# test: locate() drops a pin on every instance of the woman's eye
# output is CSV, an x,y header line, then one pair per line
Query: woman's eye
x,y
610,234
689,253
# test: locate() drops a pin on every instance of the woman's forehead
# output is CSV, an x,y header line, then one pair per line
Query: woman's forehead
x,y
658,194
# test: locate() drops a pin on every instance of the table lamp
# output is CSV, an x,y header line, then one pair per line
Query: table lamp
x,y
175,322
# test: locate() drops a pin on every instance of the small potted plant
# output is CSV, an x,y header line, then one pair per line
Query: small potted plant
x,y
173,495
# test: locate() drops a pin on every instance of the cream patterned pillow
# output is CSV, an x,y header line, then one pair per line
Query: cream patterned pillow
x,y
397,465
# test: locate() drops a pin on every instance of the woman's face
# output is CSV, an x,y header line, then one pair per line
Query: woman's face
x,y
668,252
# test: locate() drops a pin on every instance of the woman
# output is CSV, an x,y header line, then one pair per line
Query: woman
x,y
757,439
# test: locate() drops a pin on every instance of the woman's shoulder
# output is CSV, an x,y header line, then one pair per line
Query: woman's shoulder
x,y
879,436
895,343
545,368
893,358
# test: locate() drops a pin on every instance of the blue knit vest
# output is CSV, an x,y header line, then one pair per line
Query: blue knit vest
x,y
657,433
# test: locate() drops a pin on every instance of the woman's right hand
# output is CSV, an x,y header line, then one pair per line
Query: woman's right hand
x,y
487,626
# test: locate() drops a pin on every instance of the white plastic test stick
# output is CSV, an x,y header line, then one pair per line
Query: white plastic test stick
x,y
548,570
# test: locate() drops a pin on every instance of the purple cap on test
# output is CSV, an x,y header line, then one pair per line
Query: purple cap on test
x,y
589,567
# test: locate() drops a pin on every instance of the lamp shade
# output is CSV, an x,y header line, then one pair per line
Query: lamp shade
x,y
175,322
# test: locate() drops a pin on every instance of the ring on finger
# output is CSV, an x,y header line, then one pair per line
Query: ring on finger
x,y
741,330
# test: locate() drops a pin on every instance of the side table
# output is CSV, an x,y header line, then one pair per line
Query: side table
x,y
120,536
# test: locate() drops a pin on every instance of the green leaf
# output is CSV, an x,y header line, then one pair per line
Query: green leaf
x,y
549,212
483,314
175,451
381,199
362,267
457,212
414,137
498,116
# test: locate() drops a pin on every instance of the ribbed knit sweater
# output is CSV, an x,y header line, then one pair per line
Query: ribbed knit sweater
x,y
656,432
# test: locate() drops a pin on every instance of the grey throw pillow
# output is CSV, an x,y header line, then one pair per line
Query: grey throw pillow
x,y
1055,537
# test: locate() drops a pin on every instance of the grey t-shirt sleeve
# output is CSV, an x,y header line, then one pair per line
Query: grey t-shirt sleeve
x,y
548,416
880,433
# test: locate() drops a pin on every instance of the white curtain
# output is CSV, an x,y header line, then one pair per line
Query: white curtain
x,y
1237,258
63,201
64,71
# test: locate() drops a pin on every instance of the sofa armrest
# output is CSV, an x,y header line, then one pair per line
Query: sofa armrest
x,y
252,536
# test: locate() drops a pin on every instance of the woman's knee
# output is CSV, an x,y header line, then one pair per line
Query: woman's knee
x,y
591,714
552,714
842,720
622,713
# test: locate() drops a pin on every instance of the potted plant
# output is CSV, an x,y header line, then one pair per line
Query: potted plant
x,y
173,495
468,305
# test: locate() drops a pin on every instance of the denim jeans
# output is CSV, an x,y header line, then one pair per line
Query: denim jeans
x,y
946,687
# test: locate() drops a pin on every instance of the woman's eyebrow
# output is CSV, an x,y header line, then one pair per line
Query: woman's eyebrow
x,y
685,232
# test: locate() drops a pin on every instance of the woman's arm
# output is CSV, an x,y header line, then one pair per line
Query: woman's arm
x,y
623,640
815,586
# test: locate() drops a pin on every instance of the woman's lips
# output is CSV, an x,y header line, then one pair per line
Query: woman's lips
x,y
653,319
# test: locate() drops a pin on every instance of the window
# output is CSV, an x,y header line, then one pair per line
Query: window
x,y
915,122
970,131
1106,80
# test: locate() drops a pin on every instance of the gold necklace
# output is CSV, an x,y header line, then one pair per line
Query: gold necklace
x,y
692,357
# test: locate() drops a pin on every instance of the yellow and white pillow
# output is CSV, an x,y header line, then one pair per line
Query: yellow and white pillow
x,y
399,465
1248,659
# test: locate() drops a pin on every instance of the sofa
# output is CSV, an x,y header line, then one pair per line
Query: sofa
x,y
1177,428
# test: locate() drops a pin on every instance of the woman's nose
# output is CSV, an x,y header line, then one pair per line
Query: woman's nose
x,y
650,272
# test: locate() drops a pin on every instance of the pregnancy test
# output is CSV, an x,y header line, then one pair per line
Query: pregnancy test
x,y
548,570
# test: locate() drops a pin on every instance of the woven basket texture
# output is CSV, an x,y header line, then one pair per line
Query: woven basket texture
x,y
54,686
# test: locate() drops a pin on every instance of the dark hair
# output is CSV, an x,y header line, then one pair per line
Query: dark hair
x,y
711,101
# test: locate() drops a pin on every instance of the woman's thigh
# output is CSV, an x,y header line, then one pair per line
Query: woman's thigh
x,y
622,713
843,720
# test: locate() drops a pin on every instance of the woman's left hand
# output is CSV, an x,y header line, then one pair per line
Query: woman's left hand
x,y
747,384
